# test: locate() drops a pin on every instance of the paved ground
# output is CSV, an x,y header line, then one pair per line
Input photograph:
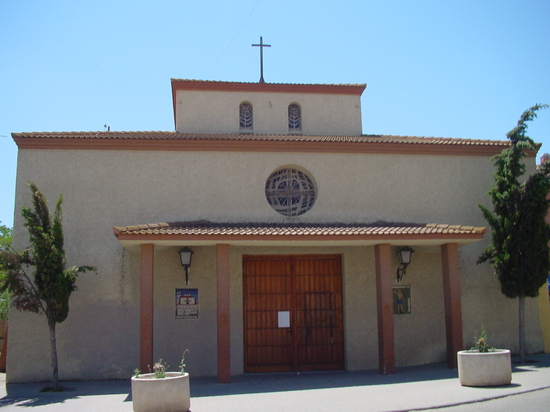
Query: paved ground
x,y
415,388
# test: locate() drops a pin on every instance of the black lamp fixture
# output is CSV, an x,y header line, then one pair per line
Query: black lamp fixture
x,y
185,256
405,259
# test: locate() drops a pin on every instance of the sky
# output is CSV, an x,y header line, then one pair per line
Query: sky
x,y
444,68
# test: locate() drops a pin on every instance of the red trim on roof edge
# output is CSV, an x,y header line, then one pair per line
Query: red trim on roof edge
x,y
213,86
373,237
258,146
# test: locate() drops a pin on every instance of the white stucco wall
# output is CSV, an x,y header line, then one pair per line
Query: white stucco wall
x,y
218,112
104,189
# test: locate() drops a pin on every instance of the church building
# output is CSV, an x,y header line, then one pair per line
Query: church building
x,y
266,233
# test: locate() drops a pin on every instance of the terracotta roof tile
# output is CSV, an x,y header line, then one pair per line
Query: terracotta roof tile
x,y
159,135
219,86
280,229
254,83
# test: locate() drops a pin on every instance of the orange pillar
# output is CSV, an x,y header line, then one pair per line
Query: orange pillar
x,y
146,308
453,306
384,306
224,333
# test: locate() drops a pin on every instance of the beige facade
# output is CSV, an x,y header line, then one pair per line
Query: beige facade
x,y
112,180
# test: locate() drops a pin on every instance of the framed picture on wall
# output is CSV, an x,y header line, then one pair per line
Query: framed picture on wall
x,y
402,300
187,303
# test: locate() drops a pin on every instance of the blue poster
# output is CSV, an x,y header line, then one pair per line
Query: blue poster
x,y
187,303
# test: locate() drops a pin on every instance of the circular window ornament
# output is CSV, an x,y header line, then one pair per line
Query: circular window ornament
x,y
290,192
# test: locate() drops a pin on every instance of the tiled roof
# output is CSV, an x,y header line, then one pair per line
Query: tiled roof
x,y
289,84
285,229
249,87
175,136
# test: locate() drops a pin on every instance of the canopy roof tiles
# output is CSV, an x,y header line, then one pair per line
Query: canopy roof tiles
x,y
208,233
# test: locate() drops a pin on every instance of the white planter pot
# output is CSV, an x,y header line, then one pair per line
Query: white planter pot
x,y
484,369
170,394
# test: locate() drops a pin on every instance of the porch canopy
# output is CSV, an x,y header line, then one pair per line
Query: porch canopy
x,y
146,238
204,233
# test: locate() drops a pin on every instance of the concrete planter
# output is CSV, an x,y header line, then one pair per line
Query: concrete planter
x,y
170,394
484,369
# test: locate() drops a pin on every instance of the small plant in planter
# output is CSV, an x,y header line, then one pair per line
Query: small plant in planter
x,y
160,390
481,344
160,369
483,365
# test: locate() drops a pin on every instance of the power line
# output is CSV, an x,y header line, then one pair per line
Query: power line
x,y
233,38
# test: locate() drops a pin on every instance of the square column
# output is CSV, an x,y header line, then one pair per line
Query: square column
x,y
384,306
453,305
223,303
146,308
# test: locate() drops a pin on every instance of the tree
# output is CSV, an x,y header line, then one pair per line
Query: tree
x,y
519,250
5,234
36,277
5,240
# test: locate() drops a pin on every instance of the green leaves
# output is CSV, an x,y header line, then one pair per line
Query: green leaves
x,y
517,135
49,284
520,235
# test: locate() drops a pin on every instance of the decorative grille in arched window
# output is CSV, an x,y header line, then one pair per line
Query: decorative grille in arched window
x,y
245,116
290,192
294,117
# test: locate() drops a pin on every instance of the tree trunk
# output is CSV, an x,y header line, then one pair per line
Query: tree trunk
x,y
53,348
521,329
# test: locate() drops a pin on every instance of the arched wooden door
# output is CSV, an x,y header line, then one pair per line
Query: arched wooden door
x,y
293,316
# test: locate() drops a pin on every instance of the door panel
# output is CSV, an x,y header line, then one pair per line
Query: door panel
x,y
310,288
319,317
267,291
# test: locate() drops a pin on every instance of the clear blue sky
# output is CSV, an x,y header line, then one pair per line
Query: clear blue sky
x,y
464,69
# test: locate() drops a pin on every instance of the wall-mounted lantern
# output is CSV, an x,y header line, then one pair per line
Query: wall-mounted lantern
x,y
405,255
185,256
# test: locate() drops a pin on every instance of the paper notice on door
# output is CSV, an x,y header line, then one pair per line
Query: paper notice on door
x,y
284,319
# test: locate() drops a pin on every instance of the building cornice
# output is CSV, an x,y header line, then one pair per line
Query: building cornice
x,y
219,86
173,141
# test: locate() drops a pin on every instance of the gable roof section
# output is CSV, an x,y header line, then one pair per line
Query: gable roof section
x,y
190,85
208,233
174,141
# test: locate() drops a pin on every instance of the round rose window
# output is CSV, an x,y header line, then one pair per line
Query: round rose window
x,y
290,192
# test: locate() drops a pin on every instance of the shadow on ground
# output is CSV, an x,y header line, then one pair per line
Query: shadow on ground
x,y
284,382
29,394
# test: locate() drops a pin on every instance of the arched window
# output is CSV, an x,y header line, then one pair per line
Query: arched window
x,y
294,118
245,116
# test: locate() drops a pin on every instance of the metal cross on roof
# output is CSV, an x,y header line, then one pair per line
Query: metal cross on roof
x,y
261,46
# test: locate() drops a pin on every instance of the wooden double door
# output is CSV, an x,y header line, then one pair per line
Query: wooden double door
x,y
293,313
